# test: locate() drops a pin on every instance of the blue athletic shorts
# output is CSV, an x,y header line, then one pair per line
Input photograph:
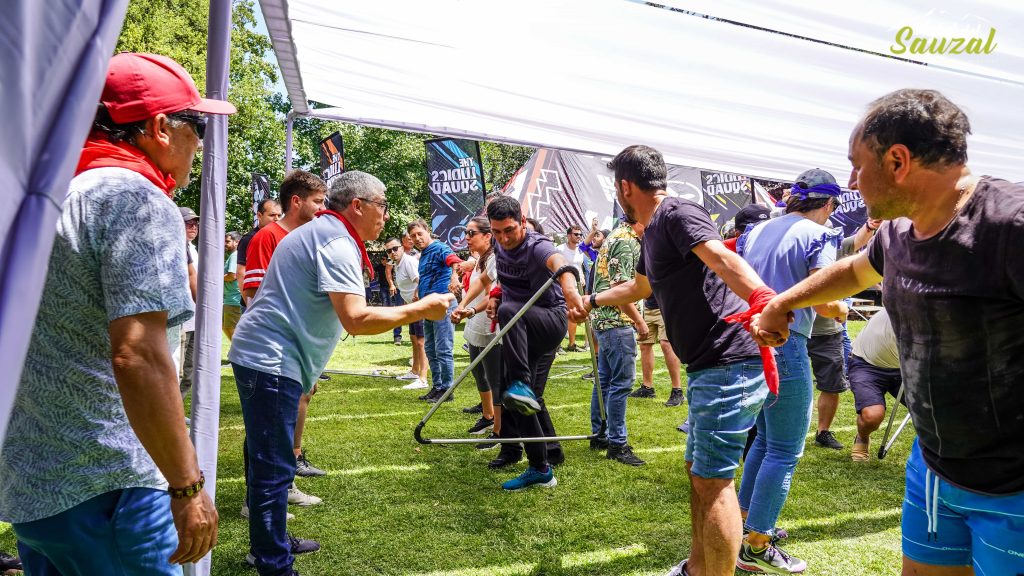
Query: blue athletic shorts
x,y
966,528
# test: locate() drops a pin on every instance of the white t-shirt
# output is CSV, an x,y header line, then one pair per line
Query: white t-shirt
x,y
478,328
190,324
573,256
291,328
407,276
876,343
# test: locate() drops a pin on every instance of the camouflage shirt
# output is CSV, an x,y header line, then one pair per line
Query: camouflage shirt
x,y
615,263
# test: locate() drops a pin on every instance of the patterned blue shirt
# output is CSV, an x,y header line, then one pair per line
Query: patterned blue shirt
x,y
118,252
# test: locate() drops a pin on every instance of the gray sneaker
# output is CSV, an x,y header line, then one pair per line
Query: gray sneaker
x,y
304,468
675,398
772,559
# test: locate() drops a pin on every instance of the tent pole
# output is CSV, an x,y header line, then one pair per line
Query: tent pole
x,y
288,141
212,205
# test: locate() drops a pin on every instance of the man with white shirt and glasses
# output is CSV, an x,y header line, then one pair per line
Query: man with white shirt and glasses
x,y
404,280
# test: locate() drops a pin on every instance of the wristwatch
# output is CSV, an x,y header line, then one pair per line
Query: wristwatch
x,y
593,301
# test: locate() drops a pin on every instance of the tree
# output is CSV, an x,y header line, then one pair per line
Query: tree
x,y
178,29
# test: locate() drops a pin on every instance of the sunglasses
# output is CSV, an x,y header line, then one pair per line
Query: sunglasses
x,y
471,233
393,249
576,234
383,204
196,121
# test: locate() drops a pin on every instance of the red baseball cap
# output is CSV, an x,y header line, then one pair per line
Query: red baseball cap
x,y
140,86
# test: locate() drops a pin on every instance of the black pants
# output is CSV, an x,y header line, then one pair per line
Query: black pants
x,y
528,350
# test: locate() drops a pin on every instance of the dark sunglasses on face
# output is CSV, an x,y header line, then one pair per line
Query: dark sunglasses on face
x,y
393,249
576,234
197,121
471,233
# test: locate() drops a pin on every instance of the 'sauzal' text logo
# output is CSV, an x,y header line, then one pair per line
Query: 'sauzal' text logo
x,y
907,42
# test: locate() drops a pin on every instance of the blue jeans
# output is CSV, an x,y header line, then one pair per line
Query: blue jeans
x,y
616,371
781,432
270,405
968,528
395,300
724,401
126,532
439,340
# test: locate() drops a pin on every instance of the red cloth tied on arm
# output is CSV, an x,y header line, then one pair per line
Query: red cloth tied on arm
x,y
760,298
495,293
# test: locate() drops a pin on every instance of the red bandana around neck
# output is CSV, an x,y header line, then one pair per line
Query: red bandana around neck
x,y
100,152
355,235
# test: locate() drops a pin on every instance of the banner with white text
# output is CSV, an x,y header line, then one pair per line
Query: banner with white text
x,y
456,183
332,157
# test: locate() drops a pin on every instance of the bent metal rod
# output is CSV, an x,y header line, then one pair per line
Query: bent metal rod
x,y
418,432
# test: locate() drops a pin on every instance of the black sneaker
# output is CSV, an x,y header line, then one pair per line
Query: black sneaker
x,y
624,454
324,376
675,398
483,424
488,445
478,409
428,395
505,458
556,457
8,562
436,394
304,468
599,443
588,376
643,392
302,545
826,439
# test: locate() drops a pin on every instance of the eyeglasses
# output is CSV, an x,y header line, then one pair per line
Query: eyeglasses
x,y
198,122
471,233
192,224
383,204
393,249
576,234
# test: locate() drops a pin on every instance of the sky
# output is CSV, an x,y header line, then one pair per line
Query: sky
x,y
261,27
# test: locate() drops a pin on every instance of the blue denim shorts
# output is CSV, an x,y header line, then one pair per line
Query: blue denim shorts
x,y
967,529
724,402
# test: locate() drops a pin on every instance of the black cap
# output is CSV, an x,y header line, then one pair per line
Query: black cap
x,y
751,214
816,177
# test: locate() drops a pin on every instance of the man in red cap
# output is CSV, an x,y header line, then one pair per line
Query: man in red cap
x,y
97,470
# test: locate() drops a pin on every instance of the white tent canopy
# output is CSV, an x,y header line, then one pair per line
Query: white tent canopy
x,y
598,75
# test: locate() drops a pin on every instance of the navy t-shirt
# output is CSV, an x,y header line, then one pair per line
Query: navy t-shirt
x,y
956,301
523,270
693,299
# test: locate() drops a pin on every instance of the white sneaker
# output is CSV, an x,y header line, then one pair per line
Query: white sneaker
x,y
300,498
416,384
679,569
245,513
409,376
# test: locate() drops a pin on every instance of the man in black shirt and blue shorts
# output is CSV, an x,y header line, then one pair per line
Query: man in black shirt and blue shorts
x,y
698,282
953,284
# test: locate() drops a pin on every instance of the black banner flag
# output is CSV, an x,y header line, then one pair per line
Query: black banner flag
x,y
456,183
260,191
332,157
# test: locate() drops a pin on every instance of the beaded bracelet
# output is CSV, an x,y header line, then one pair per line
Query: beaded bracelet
x,y
189,491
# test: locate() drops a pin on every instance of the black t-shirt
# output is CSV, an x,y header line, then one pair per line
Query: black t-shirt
x,y
243,245
693,299
956,301
524,270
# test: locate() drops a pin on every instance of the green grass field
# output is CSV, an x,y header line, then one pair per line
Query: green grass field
x,y
392,506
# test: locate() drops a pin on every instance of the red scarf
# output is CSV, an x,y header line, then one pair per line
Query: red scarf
x,y
100,152
355,235
760,298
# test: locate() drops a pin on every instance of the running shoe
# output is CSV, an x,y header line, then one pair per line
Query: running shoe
x,y
416,384
679,569
643,392
410,375
624,454
478,409
772,559
488,442
8,562
520,398
482,425
304,468
532,477
684,427
675,398
826,439
300,498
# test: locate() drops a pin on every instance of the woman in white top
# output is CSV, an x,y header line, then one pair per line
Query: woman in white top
x,y
478,332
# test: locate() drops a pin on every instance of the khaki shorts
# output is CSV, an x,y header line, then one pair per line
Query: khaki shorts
x,y
231,315
655,325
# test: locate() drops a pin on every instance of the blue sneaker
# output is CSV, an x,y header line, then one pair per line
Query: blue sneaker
x,y
532,477
520,398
